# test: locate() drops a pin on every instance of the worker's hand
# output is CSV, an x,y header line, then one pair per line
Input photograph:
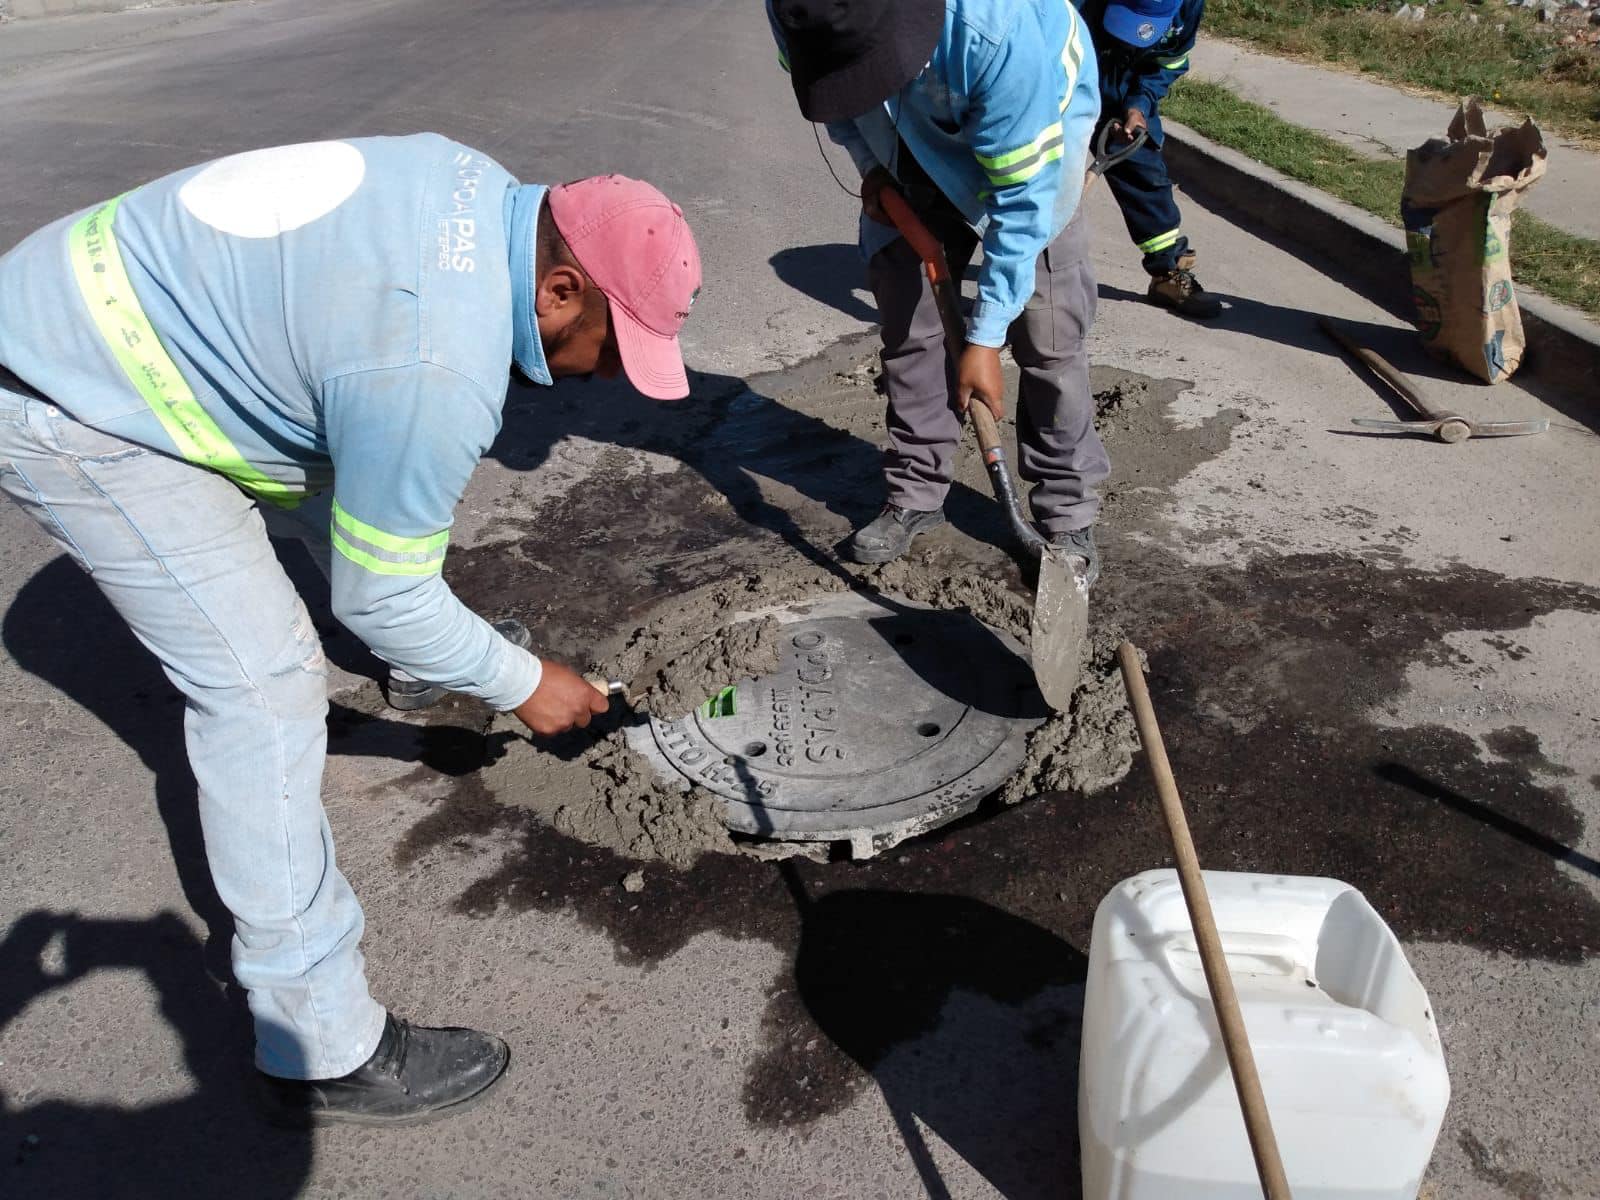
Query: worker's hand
x,y
1133,122
563,700
872,184
980,379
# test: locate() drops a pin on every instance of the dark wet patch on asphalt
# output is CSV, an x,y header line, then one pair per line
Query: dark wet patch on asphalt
x,y
1488,1164
1521,745
1264,679
1267,679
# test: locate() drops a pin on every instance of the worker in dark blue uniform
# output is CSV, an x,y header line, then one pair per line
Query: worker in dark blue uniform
x,y
1143,47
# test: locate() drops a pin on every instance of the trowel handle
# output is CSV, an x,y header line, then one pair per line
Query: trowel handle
x,y
606,687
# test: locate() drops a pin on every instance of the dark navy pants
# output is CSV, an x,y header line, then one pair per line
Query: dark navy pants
x,y
1144,193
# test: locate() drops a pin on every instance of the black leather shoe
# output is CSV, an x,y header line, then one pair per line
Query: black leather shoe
x,y
888,535
415,1075
1079,543
408,694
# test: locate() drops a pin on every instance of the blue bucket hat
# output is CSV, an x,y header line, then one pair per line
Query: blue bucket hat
x,y
1140,23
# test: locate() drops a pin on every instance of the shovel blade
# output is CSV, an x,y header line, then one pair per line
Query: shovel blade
x,y
1060,625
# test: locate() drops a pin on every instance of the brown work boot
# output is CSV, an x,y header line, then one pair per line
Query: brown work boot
x,y
1180,291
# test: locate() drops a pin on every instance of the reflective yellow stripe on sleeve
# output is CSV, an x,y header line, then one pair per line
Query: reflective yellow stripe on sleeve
x,y
1176,63
114,307
387,553
1072,54
1023,163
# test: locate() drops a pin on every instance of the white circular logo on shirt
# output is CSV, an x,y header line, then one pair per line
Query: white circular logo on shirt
x,y
264,193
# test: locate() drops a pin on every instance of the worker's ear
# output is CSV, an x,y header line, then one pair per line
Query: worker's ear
x,y
562,291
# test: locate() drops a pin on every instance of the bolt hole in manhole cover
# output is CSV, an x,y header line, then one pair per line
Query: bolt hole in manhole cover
x,y
884,719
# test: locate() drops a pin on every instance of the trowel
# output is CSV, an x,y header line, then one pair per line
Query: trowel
x,y
1061,603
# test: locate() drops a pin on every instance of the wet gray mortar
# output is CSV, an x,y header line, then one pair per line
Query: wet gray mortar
x,y
610,796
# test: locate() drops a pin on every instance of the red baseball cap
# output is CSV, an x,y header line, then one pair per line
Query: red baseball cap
x,y
636,246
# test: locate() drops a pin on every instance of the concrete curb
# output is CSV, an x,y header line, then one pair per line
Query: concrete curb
x,y
1563,343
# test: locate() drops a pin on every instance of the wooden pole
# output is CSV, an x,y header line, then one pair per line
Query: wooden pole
x,y
1263,1144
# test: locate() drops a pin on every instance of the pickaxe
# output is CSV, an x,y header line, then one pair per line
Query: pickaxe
x,y
1446,426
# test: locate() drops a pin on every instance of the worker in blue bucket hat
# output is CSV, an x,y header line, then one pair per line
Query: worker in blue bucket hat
x,y
1143,47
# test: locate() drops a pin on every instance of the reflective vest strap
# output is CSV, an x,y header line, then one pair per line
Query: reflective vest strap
x,y
116,312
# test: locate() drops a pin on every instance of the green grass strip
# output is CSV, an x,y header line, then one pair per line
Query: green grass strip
x,y
1559,264
1506,55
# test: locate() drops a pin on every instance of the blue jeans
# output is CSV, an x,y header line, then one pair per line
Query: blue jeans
x,y
183,556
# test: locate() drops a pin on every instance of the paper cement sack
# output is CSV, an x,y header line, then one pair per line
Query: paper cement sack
x,y
1460,192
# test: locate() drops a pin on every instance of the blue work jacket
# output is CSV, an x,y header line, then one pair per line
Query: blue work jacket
x,y
1000,120
339,313
1131,77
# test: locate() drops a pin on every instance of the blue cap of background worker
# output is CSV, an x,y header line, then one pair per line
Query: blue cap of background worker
x,y
1140,23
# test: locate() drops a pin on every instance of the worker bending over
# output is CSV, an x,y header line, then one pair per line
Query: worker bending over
x,y
252,331
979,113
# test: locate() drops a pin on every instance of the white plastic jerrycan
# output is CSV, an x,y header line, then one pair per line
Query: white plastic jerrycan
x,y
1342,1031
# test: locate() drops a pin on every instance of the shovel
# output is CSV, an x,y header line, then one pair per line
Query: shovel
x,y
1061,604
1105,158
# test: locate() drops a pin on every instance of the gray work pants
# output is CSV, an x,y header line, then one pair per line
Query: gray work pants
x,y
182,554
1060,453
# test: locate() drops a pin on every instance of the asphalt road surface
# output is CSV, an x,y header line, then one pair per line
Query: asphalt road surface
x,y
1376,659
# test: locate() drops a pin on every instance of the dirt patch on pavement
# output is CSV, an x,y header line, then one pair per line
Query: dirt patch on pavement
x,y
1092,745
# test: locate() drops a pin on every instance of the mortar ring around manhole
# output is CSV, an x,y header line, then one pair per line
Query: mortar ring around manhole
x,y
884,719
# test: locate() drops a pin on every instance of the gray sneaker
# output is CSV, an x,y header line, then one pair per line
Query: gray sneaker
x,y
409,694
888,535
1079,543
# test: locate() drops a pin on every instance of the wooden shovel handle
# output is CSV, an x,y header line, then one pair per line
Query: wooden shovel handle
x,y
917,235
1263,1143
983,425
920,238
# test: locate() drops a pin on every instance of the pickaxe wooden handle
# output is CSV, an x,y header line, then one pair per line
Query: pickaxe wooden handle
x,y
1446,426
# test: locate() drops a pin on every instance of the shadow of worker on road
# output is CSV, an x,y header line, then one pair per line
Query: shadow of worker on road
x,y
831,273
61,629
209,1142
966,1017
628,528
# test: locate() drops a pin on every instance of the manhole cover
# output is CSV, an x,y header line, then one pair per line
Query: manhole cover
x,y
884,720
